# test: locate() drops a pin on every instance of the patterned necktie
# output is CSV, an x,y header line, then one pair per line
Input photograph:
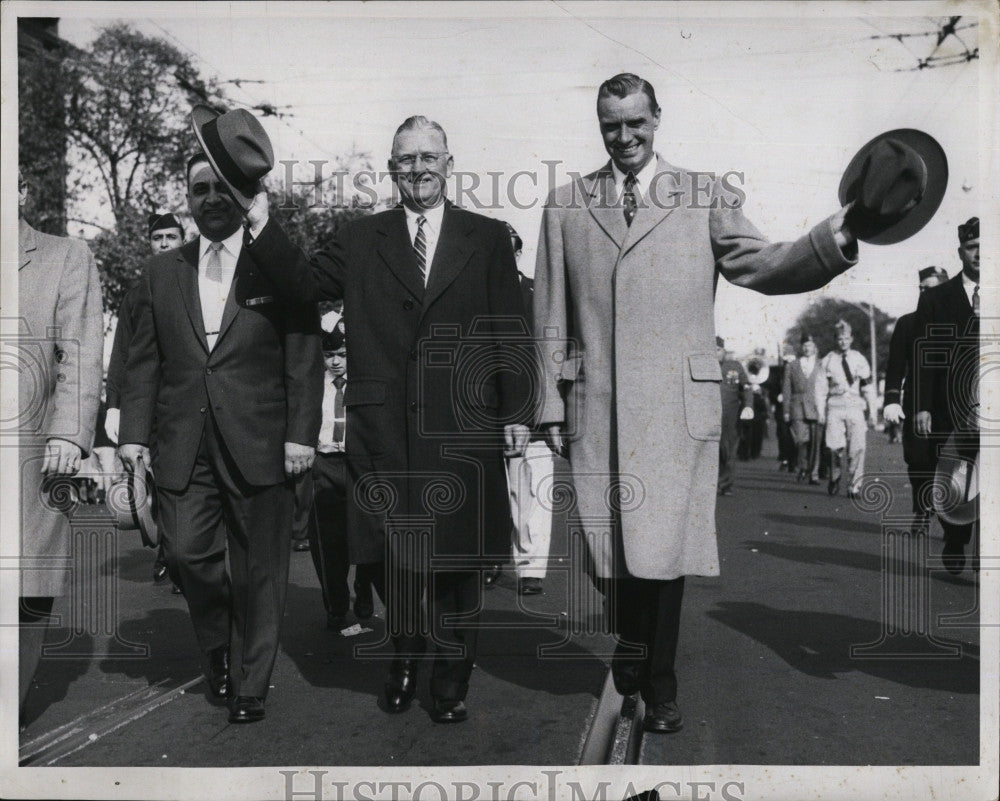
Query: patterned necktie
x,y
338,410
628,199
420,247
975,300
213,270
847,370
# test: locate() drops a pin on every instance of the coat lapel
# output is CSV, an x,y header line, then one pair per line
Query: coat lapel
x,y
27,243
396,251
187,282
454,248
604,207
656,207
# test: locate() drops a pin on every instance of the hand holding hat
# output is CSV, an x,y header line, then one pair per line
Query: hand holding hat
x,y
894,185
239,150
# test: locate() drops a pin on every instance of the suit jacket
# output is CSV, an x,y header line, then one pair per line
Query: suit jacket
x,y
435,373
60,346
946,358
263,380
799,391
119,349
624,317
899,375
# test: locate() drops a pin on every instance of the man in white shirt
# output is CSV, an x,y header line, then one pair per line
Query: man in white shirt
x,y
843,393
233,377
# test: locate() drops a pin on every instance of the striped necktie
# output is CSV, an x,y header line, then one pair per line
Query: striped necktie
x,y
420,247
628,198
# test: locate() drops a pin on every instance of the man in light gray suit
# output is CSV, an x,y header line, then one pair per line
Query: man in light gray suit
x,y
628,260
799,391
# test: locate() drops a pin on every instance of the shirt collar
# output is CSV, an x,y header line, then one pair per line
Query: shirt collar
x,y
643,178
968,283
433,216
232,244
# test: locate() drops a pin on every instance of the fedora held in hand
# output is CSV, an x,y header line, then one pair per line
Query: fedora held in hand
x,y
237,147
896,183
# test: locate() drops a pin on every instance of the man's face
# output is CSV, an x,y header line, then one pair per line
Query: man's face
x,y
968,252
628,125
215,212
165,239
335,361
844,341
808,349
420,167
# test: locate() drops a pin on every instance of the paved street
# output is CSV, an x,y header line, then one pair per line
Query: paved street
x,y
766,670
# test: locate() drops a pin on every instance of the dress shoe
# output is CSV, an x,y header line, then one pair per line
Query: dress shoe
x,y
364,604
336,622
953,556
833,487
448,710
529,585
401,685
492,575
218,671
813,482
175,590
664,718
300,545
159,572
246,709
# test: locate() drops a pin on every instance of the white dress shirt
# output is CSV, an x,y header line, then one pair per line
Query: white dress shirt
x,y
643,180
327,443
432,231
213,294
808,364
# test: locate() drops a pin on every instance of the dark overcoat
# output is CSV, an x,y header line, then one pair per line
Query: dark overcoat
x,y
435,374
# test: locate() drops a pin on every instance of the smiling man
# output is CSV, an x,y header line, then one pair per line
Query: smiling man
x,y
624,294
233,377
426,437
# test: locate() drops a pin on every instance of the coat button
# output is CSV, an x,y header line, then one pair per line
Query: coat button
x,y
208,371
413,406
407,304
203,409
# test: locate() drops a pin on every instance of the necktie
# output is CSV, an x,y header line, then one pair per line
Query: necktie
x,y
847,370
213,270
975,300
338,410
420,247
628,199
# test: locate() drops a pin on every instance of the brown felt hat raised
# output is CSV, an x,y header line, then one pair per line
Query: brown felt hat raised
x,y
237,147
896,181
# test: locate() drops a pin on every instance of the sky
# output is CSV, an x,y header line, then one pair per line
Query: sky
x,y
786,99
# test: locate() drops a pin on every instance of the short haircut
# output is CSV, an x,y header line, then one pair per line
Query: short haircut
x,y
419,121
196,158
626,84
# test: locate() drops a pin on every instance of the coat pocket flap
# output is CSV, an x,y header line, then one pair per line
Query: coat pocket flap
x,y
572,367
361,393
704,367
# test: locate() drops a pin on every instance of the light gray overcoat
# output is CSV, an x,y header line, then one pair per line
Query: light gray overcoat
x,y
624,317
59,351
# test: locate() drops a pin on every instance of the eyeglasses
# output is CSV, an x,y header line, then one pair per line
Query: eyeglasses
x,y
407,162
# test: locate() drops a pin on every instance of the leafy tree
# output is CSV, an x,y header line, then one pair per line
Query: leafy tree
x,y
819,318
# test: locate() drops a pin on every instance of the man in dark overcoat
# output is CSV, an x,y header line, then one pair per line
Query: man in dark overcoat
x,y
439,392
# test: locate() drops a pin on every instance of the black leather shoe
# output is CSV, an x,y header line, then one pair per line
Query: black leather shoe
x,y
364,604
336,622
246,709
953,556
530,585
218,671
492,575
401,685
833,487
663,718
159,572
300,545
449,711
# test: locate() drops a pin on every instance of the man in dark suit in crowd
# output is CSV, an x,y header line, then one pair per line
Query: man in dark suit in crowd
x,y
429,292
948,388
232,375
799,393
737,404
919,453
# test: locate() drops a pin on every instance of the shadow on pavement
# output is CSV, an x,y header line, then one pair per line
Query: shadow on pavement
x,y
813,522
819,644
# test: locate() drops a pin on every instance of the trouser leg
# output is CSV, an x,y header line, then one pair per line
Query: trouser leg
x,y
328,531
34,618
453,593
